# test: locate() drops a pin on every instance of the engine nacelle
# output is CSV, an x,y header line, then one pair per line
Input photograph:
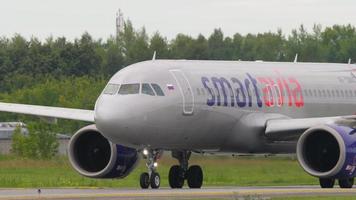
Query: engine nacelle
x,y
328,151
92,155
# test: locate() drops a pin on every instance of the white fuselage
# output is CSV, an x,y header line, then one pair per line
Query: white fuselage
x,y
220,105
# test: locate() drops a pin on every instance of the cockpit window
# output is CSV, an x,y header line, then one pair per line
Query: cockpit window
x,y
146,89
129,89
111,89
157,89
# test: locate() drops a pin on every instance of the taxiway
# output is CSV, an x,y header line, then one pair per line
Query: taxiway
x,y
164,193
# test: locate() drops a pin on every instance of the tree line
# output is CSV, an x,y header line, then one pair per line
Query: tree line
x,y
61,72
26,62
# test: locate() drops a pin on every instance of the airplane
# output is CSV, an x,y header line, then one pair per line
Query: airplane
x,y
187,106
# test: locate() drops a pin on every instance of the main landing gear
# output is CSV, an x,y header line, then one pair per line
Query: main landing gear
x,y
150,178
329,182
179,173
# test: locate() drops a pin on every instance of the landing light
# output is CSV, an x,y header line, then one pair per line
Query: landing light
x,y
145,152
155,164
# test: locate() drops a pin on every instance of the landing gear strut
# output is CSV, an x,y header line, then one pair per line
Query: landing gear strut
x,y
181,172
151,178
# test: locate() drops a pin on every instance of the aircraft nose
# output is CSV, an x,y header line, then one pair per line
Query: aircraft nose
x,y
112,118
105,115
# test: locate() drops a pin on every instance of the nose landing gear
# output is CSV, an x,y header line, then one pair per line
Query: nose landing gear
x,y
152,178
181,172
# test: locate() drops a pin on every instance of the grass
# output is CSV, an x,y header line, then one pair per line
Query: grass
x,y
218,171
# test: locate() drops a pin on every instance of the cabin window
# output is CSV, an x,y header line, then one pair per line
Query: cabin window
x,y
129,89
146,89
157,89
111,89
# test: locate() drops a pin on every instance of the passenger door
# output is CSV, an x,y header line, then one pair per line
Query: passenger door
x,y
186,91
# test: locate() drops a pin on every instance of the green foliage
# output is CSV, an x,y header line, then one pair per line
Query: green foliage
x,y
26,62
41,143
72,92
44,140
18,142
218,46
160,45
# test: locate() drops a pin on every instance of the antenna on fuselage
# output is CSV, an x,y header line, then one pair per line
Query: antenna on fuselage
x,y
349,61
154,55
296,58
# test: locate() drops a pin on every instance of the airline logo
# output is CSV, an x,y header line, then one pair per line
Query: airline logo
x,y
275,91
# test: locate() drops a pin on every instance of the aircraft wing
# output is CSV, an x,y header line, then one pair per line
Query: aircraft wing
x,y
291,129
48,112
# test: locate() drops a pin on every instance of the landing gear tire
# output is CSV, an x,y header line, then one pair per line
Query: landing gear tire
x,y
195,176
155,180
144,180
175,177
346,183
326,182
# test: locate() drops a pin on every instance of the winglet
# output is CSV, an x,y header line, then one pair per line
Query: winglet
x,y
154,55
296,58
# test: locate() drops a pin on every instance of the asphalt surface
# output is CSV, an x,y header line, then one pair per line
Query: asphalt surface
x,y
166,193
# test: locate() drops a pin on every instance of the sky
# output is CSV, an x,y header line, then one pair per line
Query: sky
x,y
71,18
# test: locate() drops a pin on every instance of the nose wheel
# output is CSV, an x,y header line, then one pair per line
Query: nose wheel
x,y
151,178
179,173
145,180
155,180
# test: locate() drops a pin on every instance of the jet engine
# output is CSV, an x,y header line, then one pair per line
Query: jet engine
x,y
328,151
92,155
